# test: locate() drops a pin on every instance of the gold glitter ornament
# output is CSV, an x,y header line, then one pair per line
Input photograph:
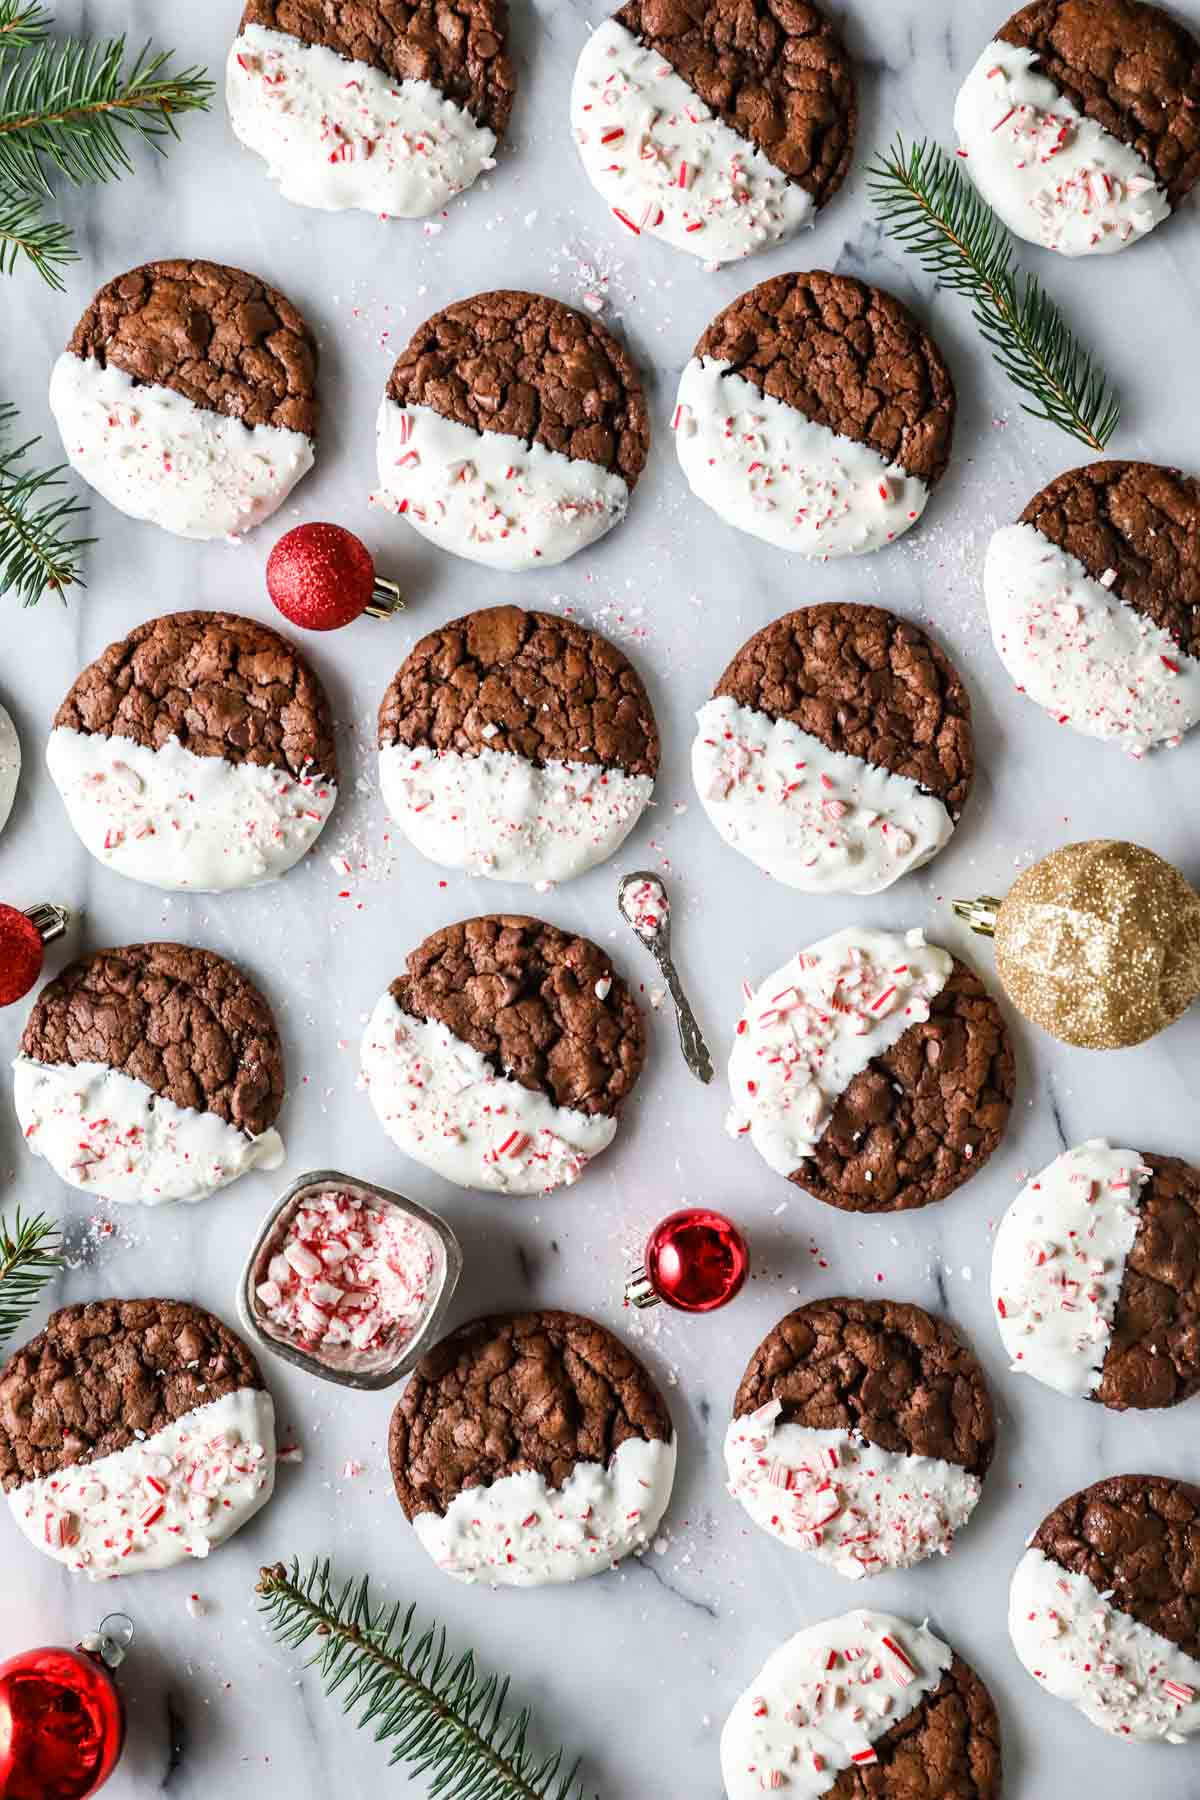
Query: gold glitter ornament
x,y
1098,943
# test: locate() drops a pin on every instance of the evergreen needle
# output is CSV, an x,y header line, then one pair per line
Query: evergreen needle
x,y
28,1260
437,1712
930,207
38,549
23,23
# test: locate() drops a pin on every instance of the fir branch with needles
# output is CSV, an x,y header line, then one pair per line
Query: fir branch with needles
x,y
29,1260
439,1713
73,106
40,551
929,206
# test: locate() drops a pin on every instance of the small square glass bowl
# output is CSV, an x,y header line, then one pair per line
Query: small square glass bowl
x,y
340,1365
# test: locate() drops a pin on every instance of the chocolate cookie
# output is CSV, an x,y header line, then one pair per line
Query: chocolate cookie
x,y
394,108
504,1055
1096,1277
513,431
532,1448
836,752
134,1434
517,745
816,413
1079,122
862,1432
876,1708
197,753
1094,601
151,1073
718,126
1103,1609
187,397
873,1070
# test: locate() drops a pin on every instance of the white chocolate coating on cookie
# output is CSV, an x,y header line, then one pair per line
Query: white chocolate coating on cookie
x,y
814,818
156,455
489,496
501,816
1125,1678
520,1533
113,1136
441,1101
176,820
338,134
816,1024
824,1699
10,766
1058,1263
169,1498
1055,177
854,1507
1076,649
766,469
666,164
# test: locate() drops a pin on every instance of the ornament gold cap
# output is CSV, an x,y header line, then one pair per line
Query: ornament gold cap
x,y
639,1292
386,599
980,914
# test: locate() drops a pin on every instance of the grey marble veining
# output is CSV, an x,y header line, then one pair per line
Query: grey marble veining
x,y
635,1670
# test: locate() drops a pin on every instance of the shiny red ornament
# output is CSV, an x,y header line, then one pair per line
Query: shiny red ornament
x,y
697,1261
322,577
62,1725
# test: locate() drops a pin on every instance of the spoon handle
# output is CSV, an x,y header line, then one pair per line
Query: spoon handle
x,y
695,1050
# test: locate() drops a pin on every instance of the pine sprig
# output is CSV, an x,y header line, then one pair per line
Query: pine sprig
x,y
28,1261
23,23
39,550
24,233
928,205
435,1709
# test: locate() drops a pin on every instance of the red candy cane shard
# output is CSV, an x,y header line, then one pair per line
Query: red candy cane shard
x,y
905,1673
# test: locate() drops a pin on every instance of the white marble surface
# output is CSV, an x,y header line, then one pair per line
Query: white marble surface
x,y
637,1670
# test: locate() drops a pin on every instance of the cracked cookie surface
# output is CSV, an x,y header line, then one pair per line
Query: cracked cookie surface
x,y
847,356
865,683
778,75
107,1373
536,1392
185,1022
528,683
223,339
1153,1356
948,1748
222,685
890,1372
523,994
1131,67
457,45
535,369
925,1116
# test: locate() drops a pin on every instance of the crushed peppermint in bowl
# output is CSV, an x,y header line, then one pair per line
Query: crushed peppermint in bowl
x,y
348,1280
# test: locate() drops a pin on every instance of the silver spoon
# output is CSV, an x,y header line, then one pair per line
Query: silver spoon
x,y
646,907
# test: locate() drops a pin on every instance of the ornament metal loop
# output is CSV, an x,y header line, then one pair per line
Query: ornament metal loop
x,y
639,1292
113,1639
386,599
48,920
980,914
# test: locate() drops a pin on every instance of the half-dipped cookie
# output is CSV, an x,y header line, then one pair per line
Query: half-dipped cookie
x,y
866,1704
513,431
517,745
393,109
816,413
197,754
714,126
134,1434
1094,1277
187,398
1103,1609
151,1073
836,752
862,1432
1094,602
874,1070
502,1057
1079,122
530,1449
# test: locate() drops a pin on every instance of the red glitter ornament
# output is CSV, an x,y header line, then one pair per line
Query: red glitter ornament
x,y
62,1724
322,577
697,1261
23,940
